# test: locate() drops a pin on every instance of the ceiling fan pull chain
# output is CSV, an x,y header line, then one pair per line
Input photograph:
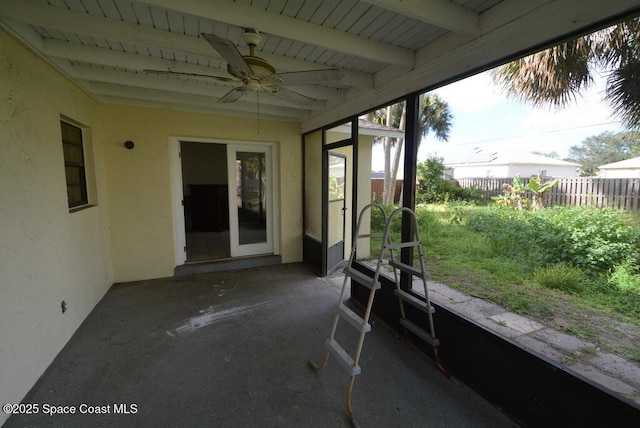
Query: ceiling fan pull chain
x,y
258,103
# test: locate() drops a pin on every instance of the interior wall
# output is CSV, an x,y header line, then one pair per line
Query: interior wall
x,y
203,163
140,198
47,254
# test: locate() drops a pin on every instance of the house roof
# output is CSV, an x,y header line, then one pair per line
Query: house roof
x,y
477,157
633,163
382,50
366,127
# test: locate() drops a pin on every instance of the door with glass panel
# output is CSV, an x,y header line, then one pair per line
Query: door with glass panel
x,y
336,210
250,199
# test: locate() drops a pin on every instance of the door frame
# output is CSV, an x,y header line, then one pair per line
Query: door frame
x,y
177,192
352,142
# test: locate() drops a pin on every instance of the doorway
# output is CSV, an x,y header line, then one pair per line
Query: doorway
x,y
337,209
205,200
227,200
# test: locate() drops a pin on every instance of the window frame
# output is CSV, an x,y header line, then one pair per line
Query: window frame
x,y
77,162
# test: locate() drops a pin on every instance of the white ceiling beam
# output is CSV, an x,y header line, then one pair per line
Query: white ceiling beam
x,y
291,28
205,109
440,13
179,100
96,55
109,57
36,13
166,83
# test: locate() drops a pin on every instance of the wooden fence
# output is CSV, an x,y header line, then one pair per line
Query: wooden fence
x,y
620,193
377,187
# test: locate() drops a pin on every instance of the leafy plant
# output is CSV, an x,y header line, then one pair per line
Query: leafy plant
x,y
433,188
538,188
561,276
513,194
626,277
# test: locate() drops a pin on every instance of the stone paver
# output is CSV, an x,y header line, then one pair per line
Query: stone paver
x,y
517,322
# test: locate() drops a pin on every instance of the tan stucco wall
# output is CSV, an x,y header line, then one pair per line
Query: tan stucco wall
x,y
47,254
140,200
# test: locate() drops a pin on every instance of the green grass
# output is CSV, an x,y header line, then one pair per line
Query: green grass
x,y
520,264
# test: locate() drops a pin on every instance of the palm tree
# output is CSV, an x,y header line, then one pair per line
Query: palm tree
x,y
434,116
556,75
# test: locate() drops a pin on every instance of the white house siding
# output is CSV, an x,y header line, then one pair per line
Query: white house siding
x,y
629,168
620,173
511,170
47,254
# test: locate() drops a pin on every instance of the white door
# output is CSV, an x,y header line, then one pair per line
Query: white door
x,y
250,199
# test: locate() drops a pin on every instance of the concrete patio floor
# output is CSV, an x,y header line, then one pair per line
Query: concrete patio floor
x,y
231,349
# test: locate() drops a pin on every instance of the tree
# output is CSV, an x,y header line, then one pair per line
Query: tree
x,y
556,75
434,116
552,154
603,149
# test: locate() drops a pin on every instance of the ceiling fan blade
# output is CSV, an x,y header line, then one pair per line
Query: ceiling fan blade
x,y
230,53
207,76
291,96
309,77
233,95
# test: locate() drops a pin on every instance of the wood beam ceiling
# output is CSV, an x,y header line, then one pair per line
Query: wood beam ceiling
x,y
291,28
440,13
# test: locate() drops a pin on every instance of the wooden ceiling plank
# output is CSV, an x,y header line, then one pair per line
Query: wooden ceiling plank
x,y
179,99
291,28
177,84
34,13
435,12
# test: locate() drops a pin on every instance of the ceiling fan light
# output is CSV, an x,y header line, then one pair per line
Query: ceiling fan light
x,y
253,84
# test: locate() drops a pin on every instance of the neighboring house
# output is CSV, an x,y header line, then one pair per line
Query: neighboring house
x,y
479,163
629,168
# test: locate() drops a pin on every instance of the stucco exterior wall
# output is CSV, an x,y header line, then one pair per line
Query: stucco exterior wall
x,y
139,183
47,254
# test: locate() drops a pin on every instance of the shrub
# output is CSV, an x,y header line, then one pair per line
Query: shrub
x,y
626,277
561,276
595,240
433,188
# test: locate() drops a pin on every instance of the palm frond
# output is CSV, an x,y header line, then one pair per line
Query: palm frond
x,y
623,92
551,77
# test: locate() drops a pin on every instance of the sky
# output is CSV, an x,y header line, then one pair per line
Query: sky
x,y
484,117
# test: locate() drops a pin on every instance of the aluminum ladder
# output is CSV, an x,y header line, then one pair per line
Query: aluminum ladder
x,y
419,272
361,324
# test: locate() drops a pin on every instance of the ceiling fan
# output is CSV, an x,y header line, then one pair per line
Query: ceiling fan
x,y
252,73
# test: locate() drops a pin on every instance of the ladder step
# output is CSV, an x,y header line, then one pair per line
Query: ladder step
x,y
342,356
409,269
362,278
415,301
403,244
352,318
422,334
